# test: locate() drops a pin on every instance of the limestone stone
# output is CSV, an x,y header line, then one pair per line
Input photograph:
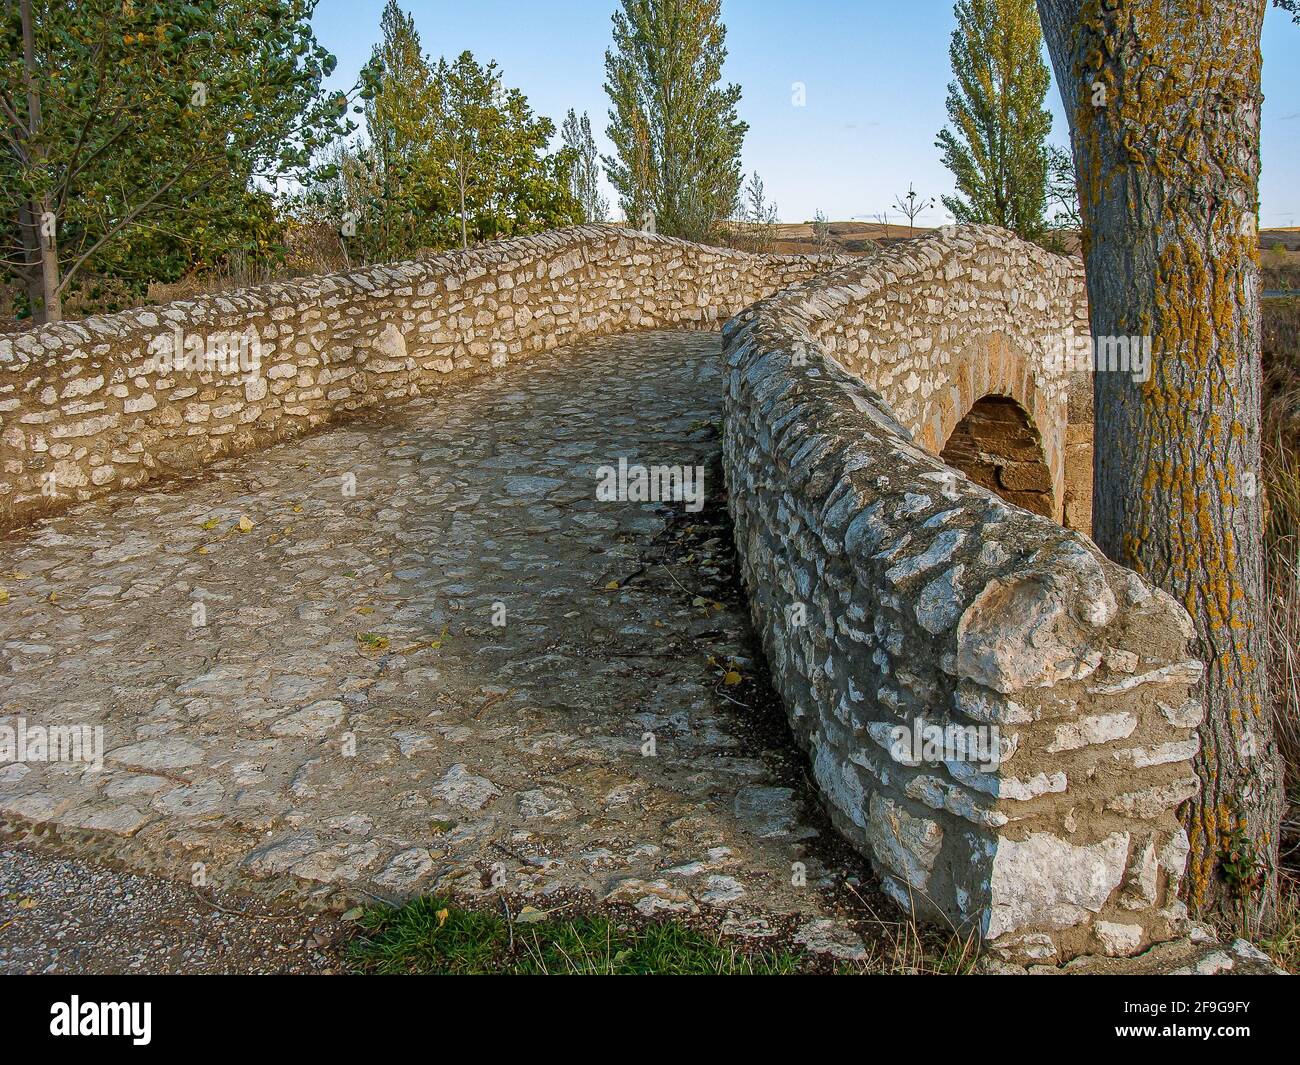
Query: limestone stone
x,y
170,752
1051,883
318,719
651,896
462,789
830,937
406,870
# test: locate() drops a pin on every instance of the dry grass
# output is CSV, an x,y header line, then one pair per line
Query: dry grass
x,y
1281,462
1283,944
309,249
1279,266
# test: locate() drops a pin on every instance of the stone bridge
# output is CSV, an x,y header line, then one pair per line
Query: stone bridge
x,y
418,648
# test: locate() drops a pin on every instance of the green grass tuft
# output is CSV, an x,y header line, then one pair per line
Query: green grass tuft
x,y
432,936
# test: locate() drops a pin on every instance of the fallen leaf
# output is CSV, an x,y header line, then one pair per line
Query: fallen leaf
x,y
442,916
611,586
245,523
354,914
373,640
529,915
731,678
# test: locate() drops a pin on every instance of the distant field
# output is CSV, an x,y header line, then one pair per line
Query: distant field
x,y
854,237
1288,237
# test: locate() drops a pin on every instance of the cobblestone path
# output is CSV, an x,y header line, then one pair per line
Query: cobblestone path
x,y
417,653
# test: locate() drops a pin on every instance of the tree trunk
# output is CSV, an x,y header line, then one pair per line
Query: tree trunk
x,y
46,222
47,229
464,232
30,271
1164,99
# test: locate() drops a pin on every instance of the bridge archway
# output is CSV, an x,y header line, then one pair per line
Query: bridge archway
x,y
998,447
1000,401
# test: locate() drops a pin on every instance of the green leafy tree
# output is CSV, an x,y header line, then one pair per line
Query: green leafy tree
x,y
452,157
673,124
345,198
584,173
996,147
395,181
144,137
493,149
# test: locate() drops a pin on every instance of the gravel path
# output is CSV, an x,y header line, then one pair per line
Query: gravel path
x,y
63,915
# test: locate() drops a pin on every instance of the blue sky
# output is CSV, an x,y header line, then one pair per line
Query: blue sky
x,y
875,72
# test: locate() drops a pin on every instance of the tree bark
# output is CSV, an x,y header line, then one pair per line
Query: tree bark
x,y
46,221
464,232
31,268
50,282
1163,98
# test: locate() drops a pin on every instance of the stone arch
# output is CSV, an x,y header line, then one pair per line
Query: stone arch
x,y
997,445
999,367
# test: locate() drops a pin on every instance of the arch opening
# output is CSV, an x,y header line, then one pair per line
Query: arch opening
x,y
997,446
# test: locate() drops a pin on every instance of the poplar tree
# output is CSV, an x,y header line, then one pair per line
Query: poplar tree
x,y
673,123
1163,99
584,163
408,205
996,147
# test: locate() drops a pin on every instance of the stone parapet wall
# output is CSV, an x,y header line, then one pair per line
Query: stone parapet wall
x,y
936,324
892,594
92,406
